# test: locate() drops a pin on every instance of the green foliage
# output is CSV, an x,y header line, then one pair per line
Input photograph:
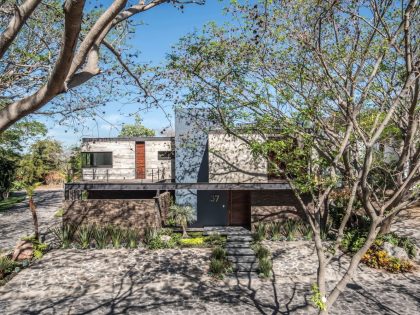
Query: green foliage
x,y
7,265
400,241
353,240
260,232
64,234
264,267
216,239
182,215
117,236
218,253
8,168
39,248
377,258
9,202
192,242
150,234
219,265
261,252
85,235
101,236
136,130
317,299
132,237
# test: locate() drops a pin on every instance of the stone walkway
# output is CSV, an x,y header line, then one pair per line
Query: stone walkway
x,y
16,222
176,282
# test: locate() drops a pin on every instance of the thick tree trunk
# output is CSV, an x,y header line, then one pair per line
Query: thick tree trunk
x,y
22,13
34,217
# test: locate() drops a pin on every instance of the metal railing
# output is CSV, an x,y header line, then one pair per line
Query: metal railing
x,y
141,174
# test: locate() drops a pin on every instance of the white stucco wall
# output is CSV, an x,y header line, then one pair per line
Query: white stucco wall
x,y
231,161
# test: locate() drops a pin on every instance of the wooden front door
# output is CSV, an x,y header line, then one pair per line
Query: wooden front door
x,y
240,208
140,160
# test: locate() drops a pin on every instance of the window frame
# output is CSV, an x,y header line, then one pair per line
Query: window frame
x,y
101,166
170,157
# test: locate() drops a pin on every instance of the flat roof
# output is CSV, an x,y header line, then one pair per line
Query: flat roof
x,y
278,185
127,139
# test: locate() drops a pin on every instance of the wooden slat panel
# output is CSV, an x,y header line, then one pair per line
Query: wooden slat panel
x,y
240,208
140,160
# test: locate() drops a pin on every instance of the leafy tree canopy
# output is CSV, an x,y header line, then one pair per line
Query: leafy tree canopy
x,y
136,130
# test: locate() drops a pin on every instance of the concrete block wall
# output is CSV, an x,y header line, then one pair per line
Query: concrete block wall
x,y
123,160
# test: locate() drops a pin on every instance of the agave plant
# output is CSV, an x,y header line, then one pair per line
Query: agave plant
x,y
150,233
85,235
275,231
101,237
132,238
117,235
260,232
64,234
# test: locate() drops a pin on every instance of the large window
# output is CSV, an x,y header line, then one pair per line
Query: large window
x,y
97,159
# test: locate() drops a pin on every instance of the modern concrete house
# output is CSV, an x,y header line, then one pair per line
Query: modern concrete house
x,y
201,166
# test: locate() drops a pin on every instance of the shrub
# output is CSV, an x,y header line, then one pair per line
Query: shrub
x,y
217,267
377,258
215,239
192,242
218,253
264,267
353,240
275,231
262,252
290,229
85,235
100,235
260,232
7,265
150,234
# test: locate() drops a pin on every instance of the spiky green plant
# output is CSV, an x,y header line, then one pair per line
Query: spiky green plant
x,y
132,238
182,216
101,237
64,234
7,265
218,253
85,235
217,267
275,231
260,232
117,235
264,267
150,233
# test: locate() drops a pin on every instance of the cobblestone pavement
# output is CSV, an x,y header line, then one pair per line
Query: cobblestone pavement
x,y
16,222
176,282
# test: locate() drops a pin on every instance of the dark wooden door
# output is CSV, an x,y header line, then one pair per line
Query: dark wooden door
x,y
140,160
240,208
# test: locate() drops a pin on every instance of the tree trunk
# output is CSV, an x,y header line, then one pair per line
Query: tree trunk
x,y
386,225
34,217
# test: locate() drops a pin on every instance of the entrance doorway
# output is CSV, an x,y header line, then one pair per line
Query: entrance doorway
x,y
140,160
240,208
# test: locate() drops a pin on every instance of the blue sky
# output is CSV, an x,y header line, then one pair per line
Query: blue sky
x,y
162,28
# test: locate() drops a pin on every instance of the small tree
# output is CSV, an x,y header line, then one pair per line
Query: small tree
x,y
30,191
137,129
182,215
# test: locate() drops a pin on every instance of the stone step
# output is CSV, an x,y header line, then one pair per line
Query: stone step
x,y
242,259
240,252
245,267
239,238
238,245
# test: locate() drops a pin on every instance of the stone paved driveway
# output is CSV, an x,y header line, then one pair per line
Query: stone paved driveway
x,y
176,282
16,222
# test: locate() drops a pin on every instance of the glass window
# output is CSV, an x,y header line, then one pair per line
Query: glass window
x,y
165,155
97,159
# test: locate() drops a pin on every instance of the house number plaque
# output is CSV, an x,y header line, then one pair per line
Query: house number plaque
x,y
214,198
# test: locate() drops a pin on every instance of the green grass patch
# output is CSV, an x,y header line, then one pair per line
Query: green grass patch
x,y
9,202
